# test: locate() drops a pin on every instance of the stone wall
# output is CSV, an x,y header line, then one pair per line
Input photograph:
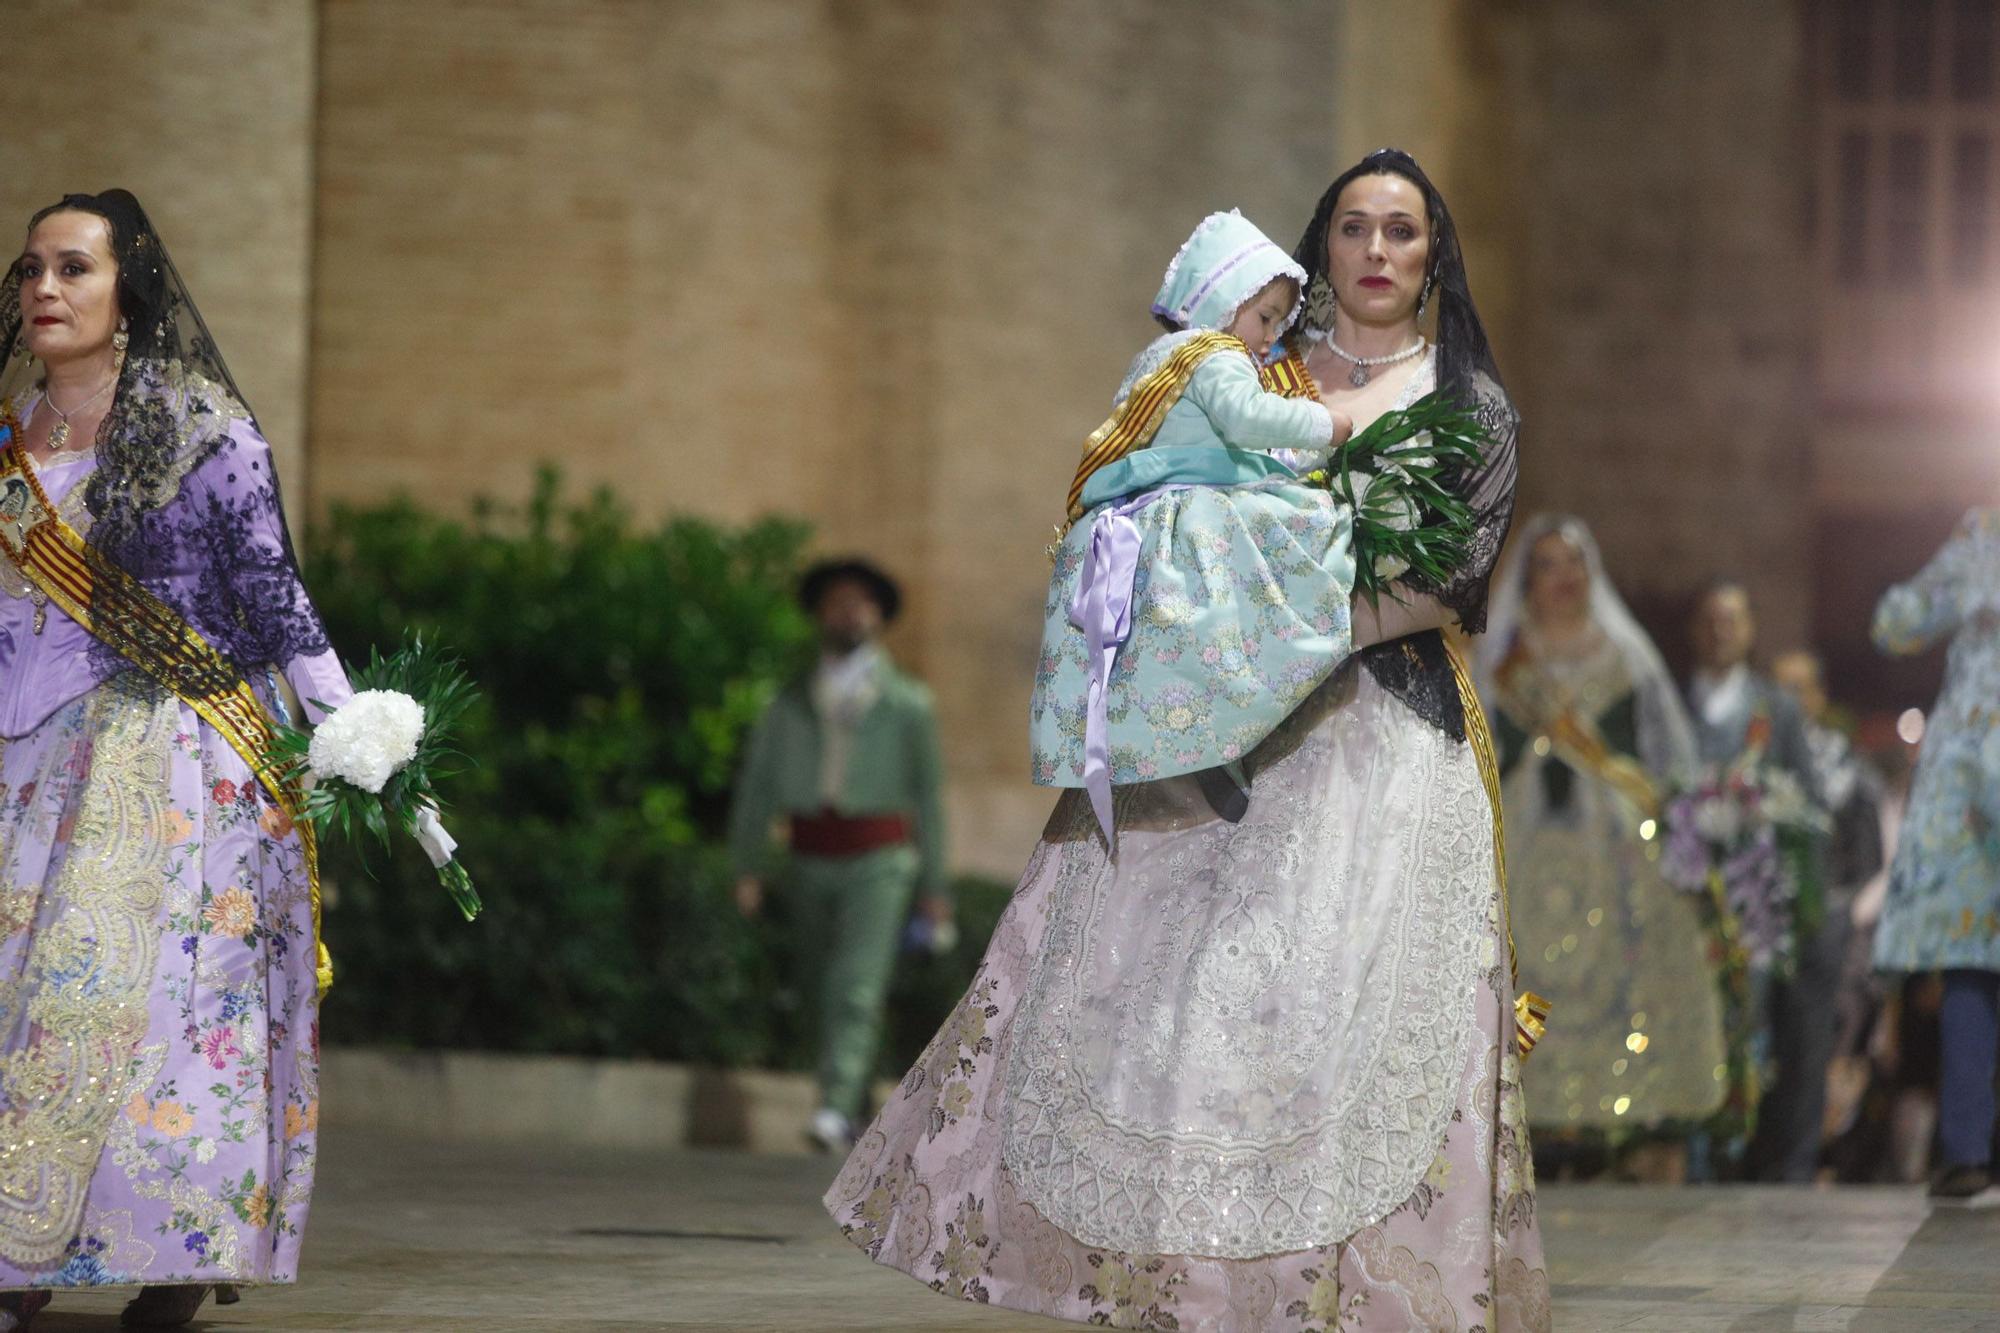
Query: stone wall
x,y
205,112
880,264
1656,333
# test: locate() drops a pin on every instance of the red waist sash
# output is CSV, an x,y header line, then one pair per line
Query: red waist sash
x,y
826,833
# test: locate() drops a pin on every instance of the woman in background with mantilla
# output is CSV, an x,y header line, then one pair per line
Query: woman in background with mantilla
x,y
1592,736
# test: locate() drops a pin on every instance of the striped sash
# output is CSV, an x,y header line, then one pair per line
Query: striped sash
x,y
1288,377
151,635
1135,421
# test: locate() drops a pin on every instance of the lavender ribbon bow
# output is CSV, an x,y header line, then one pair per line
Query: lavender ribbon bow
x,y
1102,609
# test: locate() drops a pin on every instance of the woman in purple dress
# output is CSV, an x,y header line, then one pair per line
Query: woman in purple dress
x,y
160,968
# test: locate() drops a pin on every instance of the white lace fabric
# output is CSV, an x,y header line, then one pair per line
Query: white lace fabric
x,y
1247,1039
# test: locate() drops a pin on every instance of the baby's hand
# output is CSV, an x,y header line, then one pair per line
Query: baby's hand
x,y
1343,424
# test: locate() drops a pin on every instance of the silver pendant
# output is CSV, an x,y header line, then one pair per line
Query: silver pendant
x,y
1358,376
59,436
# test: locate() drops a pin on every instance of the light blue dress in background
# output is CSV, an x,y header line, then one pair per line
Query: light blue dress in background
x,y
1943,909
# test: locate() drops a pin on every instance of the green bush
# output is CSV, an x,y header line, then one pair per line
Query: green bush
x,y
620,667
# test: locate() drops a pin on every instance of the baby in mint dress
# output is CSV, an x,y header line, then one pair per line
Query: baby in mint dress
x,y
1202,589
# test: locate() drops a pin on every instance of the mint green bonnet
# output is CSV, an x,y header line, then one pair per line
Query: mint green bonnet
x,y
1219,269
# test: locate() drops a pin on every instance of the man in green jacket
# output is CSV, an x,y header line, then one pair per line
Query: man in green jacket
x,y
846,756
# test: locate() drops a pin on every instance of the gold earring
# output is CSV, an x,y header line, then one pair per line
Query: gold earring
x,y
119,342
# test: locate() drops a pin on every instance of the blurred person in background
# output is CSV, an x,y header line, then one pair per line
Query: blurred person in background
x,y
1943,908
160,966
1853,791
1737,709
847,757
1591,732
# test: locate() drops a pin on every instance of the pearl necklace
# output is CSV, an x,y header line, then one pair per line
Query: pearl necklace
x,y
1359,376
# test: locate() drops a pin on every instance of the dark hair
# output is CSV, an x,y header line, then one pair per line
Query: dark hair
x,y
818,580
142,282
175,409
1463,351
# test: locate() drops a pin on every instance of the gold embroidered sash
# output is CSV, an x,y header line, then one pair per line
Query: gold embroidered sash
x,y
1531,1011
1136,420
151,635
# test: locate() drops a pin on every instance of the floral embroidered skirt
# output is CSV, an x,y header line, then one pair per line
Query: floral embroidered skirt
x,y
929,1188
158,1010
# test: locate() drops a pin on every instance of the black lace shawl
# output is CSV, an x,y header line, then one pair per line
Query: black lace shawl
x,y
184,496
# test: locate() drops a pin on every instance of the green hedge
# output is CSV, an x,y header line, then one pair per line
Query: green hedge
x,y
621,666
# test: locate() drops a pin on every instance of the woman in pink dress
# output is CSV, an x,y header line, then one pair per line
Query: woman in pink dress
x,y
1261,1075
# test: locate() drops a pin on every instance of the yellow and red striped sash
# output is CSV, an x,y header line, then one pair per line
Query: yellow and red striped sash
x,y
1288,377
151,635
1136,420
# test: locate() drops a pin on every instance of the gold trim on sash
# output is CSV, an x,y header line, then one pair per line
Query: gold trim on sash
x,y
1531,1011
1137,419
1576,740
152,636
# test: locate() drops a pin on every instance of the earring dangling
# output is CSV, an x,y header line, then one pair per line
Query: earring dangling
x,y
1320,302
119,342
1424,299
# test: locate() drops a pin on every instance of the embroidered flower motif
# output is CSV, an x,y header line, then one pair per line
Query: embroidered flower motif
x,y
275,822
299,1121
223,792
83,1264
964,1257
219,1045
172,1119
175,828
1136,1293
138,1110
231,912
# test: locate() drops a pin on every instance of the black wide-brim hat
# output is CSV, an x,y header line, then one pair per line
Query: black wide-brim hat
x,y
813,586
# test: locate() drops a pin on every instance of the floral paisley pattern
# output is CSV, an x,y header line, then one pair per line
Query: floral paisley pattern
x,y
1240,608
937,1198
149,858
1943,908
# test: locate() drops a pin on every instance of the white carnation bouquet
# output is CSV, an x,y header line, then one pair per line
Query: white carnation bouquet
x,y
374,762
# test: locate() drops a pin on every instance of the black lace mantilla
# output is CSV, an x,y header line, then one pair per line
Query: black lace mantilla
x,y
185,497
